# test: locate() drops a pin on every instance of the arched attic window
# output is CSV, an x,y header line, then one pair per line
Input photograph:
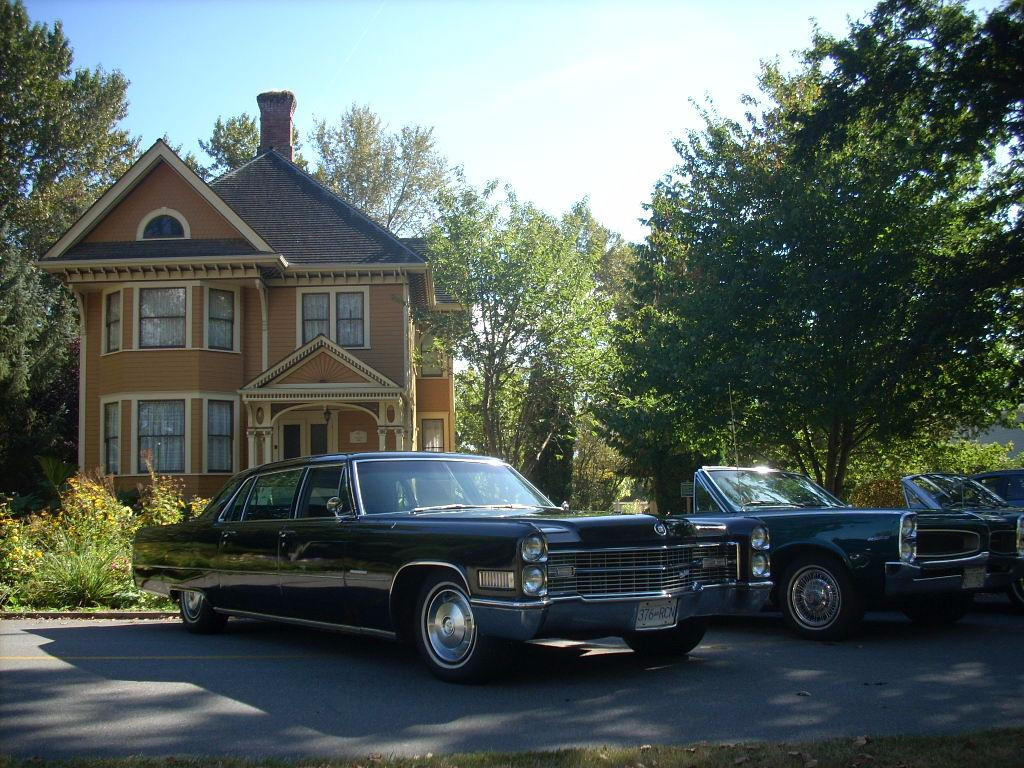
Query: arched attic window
x,y
163,224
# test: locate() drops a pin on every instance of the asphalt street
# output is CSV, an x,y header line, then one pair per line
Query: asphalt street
x,y
106,688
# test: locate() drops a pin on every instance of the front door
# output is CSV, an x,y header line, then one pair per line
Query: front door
x,y
306,434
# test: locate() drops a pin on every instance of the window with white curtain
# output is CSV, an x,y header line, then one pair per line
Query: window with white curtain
x,y
221,320
112,336
432,434
316,315
112,438
162,435
219,433
350,319
161,317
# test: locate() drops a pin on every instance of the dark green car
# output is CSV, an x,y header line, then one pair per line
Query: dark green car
x,y
832,561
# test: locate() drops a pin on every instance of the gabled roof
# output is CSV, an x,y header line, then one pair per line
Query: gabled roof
x,y
273,376
306,222
158,153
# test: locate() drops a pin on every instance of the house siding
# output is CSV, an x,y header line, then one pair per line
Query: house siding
x,y
162,188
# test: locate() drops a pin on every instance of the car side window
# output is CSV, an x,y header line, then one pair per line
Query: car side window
x,y
1014,489
272,496
703,503
233,510
220,502
322,485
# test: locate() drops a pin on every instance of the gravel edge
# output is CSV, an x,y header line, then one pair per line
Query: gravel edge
x,y
88,615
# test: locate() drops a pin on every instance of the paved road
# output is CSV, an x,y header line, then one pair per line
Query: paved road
x,y
113,688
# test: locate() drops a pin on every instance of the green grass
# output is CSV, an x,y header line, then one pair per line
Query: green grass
x,y
991,749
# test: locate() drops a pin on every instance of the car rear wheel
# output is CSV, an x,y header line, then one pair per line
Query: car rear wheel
x,y
678,641
1016,593
447,635
819,599
198,615
937,610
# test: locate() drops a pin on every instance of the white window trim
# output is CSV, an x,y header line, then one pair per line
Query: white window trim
x,y
236,330
104,402
332,302
449,438
103,321
235,441
163,212
137,314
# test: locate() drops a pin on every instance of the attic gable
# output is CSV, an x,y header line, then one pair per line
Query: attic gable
x,y
321,361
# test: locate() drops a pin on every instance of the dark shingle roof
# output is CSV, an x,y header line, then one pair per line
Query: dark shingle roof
x,y
419,244
303,220
158,249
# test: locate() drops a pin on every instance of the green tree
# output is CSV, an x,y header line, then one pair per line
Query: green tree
x,y
393,177
534,330
59,149
829,293
233,143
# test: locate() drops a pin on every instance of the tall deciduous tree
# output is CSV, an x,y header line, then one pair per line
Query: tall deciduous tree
x,y
393,177
233,143
533,334
838,292
59,148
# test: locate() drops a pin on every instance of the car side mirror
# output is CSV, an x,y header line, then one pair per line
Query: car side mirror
x,y
565,506
333,505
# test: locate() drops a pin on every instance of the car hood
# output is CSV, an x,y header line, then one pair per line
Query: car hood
x,y
926,519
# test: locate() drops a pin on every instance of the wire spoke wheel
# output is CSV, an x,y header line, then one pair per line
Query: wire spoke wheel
x,y
815,597
192,605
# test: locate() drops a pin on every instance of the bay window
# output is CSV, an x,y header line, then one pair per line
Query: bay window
x,y
161,435
219,434
220,319
161,317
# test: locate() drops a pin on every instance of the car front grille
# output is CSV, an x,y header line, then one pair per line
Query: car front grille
x,y
942,543
1003,542
638,571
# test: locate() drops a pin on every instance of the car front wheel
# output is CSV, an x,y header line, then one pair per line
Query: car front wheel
x,y
198,615
819,599
447,635
678,641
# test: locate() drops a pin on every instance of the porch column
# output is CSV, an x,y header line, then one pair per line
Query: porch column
x,y
382,436
399,438
267,446
251,436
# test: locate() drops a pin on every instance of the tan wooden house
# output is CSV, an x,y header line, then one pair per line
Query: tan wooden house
x,y
255,318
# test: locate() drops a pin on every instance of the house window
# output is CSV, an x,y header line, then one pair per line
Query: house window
x,y
433,434
163,226
161,317
350,319
112,335
112,438
221,320
219,433
430,358
316,315
162,435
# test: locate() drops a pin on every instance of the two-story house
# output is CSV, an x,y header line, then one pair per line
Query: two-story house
x,y
255,318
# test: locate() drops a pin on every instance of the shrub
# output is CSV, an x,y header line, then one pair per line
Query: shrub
x,y
82,574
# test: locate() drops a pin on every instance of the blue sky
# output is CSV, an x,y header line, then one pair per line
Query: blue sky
x,y
560,99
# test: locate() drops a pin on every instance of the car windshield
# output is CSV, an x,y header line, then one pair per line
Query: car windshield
x,y
957,491
747,488
440,485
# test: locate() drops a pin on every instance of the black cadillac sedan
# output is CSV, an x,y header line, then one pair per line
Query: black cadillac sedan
x,y
458,554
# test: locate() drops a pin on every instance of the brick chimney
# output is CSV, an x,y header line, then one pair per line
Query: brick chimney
x,y
276,110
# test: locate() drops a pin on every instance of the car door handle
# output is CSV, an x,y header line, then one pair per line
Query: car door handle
x,y
285,533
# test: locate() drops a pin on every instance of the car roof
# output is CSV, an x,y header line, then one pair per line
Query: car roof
x,y
999,473
334,458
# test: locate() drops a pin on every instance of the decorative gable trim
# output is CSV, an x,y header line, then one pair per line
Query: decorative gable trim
x,y
159,152
321,343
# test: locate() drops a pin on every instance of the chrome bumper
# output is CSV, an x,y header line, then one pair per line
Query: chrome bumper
x,y
948,575
583,617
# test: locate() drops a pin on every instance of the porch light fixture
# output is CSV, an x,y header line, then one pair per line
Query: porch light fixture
x,y
327,415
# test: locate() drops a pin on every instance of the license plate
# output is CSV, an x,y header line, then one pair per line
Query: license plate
x,y
651,614
974,578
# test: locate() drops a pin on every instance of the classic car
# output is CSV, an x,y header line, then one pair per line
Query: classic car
x,y
458,554
1007,484
831,561
946,491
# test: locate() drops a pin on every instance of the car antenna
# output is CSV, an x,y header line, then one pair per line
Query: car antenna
x,y
732,423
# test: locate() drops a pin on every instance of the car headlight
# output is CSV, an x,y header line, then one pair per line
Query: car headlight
x,y
759,538
908,537
760,565
1020,536
535,581
534,548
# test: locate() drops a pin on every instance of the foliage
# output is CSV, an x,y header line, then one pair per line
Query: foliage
x,y
79,555
832,292
59,148
533,336
392,177
598,470
236,141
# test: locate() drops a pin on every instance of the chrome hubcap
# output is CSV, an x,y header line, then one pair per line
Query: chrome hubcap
x,y
191,604
449,626
815,597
